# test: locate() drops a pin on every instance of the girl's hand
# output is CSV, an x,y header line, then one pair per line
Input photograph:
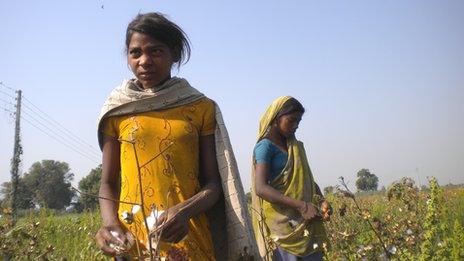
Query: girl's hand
x,y
112,240
307,210
173,225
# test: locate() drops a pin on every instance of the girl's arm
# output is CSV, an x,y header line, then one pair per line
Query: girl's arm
x,y
175,224
270,194
109,189
110,180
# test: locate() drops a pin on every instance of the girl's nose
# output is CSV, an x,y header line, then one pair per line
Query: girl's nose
x,y
145,60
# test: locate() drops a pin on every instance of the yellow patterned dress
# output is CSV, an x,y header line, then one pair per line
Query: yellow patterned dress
x,y
170,178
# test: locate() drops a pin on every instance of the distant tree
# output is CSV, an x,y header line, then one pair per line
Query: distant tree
x,y
24,197
366,181
328,190
5,195
50,182
90,184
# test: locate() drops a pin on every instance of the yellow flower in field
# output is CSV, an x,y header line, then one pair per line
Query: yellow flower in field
x,y
324,246
50,248
368,247
344,233
366,214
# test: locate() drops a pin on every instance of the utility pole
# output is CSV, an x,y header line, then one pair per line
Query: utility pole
x,y
17,151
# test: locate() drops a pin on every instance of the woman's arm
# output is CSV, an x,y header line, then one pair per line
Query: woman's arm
x,y
109,189
270,194
175,224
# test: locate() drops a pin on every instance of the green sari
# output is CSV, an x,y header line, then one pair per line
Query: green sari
x,y
275,225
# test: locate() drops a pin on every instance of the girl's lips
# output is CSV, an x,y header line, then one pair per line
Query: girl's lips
x,y
146,74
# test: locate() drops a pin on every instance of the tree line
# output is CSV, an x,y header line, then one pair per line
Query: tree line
x,y
47,184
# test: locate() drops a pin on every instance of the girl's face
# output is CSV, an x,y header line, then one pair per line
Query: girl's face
x,y
288,123
149,59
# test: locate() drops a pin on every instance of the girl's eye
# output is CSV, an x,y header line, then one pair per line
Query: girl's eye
x,y
135,52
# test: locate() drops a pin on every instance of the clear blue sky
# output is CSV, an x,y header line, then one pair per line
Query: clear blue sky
x,y
383,81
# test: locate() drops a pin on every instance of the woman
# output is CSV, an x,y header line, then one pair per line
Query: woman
x,y
162,142
285,198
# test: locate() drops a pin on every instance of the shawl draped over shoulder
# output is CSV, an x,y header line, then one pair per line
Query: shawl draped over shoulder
x,y
229,219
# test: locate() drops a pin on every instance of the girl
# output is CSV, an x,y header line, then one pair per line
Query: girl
x,y
166,157
284,195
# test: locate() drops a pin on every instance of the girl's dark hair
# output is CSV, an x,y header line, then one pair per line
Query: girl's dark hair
x,y
290,106
159,27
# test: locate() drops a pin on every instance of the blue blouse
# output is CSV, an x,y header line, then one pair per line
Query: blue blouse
x,y
267,152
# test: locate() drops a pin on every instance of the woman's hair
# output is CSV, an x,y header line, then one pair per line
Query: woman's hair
x,y
290,106
159,27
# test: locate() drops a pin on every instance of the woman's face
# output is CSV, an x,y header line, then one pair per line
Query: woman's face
x,y
149,59
288,123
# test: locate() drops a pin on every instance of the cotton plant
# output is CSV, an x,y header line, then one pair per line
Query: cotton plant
x,y
150,220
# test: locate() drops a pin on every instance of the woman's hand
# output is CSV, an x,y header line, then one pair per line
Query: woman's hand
x,y
326,210
173,225
307,210
112,240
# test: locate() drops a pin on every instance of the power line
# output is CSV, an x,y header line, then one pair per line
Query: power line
x,y
58,129
10,112
7,94
7,102
7,110
63,140
50,120
46,133
53,128
7,87
63,129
